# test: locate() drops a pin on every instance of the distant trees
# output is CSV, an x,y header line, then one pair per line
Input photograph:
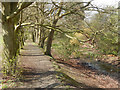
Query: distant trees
x,y
61,11
45,20
105,26
49,16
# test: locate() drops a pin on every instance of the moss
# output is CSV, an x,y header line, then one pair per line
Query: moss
x,y
68,80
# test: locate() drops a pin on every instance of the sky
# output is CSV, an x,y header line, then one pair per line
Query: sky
x,y
102,3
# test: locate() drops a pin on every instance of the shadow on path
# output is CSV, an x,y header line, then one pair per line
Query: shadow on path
x,y
38,71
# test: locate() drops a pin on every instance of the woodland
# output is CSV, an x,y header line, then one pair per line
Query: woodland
x,y
66,32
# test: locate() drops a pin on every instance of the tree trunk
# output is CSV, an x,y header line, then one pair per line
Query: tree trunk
x,y
8,48
22,39
42,43
9,39
36,36
50,38
49,43
40,37
33,36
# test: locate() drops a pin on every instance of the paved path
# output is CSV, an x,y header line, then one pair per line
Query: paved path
x,y
39,70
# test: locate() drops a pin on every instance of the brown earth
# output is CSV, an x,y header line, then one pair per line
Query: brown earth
x,y
90,77
38,70
41,73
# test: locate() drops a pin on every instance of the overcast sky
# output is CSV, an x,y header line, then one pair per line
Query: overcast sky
x,y
102,3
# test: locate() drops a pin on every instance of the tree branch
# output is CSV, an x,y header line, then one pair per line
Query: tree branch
x,y
20,8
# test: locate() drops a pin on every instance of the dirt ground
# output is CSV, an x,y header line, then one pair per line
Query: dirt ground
x,y
75,69
87,76
38,70
90,78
